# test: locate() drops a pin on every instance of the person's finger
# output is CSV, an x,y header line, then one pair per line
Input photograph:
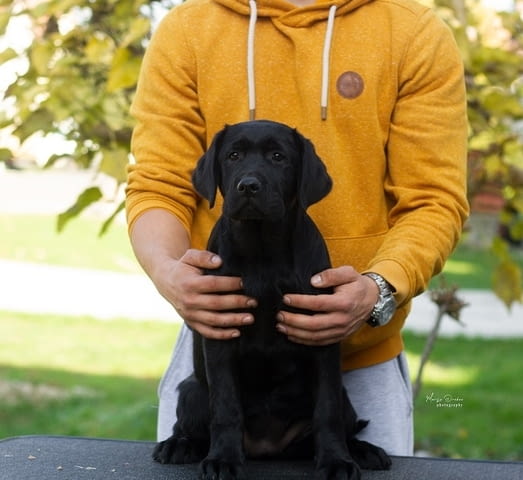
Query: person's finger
x,y
312,323
201,259
219,326
316,303
214,333
312,337
319,329
217,303
216,284
222,320
333,277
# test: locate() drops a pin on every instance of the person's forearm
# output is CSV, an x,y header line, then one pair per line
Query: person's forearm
x,y
158,236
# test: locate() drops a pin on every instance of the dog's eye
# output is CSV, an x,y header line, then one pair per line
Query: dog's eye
x,y
234,156
278,157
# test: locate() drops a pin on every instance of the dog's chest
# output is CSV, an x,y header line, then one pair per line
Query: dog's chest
x,y
268,290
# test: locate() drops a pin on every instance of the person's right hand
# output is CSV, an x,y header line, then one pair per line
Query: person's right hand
x,y
204,301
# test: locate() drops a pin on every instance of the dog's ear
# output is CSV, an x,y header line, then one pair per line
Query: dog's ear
x,y
206,177
314,182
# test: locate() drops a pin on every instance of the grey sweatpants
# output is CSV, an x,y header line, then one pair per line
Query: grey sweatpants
x,y
381,393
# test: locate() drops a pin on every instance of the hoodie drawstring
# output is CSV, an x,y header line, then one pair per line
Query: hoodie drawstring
x,y
251,84
325,66
250,59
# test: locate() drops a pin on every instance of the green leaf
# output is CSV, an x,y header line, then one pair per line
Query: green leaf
x,y
124,70
85,199
501,250
517,203
516,230
39,120
482,141
513,153
41,54
5,16
100,48
507,283
116,111
493,166
138,30
5,154
114,163
41,9
53,159
111,219
501,102
7,54
54,7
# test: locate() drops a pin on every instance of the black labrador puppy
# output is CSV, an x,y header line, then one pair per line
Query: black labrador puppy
x,y
261,395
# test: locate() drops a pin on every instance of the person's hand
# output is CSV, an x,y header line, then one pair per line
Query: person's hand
x,y
202,300
336,315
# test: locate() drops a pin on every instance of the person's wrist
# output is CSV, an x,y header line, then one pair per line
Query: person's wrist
x,y
162,269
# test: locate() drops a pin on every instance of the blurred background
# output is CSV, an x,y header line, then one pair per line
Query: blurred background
x,y
84,336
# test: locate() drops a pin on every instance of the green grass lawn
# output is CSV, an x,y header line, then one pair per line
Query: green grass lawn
x,y
86,377
472,268
81,376
33,238
482,379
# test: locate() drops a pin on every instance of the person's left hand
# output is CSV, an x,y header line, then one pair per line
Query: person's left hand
x,y
338,314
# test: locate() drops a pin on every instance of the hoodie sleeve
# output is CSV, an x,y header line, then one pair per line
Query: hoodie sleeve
x,y
427,151
169,134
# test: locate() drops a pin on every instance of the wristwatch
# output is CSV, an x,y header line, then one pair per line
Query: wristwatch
x,y
386,305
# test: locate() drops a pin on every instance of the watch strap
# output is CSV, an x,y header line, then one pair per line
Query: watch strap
x,y
386,290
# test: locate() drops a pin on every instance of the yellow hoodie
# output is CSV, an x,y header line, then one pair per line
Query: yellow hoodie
x,y
377,85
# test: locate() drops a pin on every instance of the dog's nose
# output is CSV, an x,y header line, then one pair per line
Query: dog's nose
x,y
248,186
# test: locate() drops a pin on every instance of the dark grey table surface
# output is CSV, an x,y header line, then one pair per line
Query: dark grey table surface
x,y
71,458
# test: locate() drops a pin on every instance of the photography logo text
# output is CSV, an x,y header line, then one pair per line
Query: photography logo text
x,y
446,400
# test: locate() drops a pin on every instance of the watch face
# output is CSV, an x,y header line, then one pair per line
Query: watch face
x,y
389,307
385,310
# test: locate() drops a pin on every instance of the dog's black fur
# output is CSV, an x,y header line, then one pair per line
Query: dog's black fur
x,y
261,395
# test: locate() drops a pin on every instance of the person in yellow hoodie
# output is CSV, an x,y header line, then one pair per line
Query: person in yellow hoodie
x,y
378,87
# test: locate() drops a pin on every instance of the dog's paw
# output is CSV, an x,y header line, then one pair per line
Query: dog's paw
x,y
338,470
369,456
177,450
214,469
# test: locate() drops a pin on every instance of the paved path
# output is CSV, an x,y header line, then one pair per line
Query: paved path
x,y
36,288
485,316
53,191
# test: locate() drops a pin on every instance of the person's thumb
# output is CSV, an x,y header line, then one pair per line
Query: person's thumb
x,y
201,259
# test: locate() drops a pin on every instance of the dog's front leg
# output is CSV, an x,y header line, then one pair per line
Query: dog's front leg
x,y
226,456
333,460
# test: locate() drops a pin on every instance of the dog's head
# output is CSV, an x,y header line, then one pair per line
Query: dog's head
x,y
261,167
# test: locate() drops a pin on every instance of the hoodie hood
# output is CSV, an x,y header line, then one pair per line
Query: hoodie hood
x,y
291,15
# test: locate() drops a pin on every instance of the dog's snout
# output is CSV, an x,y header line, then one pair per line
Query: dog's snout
x,y
249,186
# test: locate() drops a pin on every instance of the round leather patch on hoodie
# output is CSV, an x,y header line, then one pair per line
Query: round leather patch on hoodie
x,y
350,84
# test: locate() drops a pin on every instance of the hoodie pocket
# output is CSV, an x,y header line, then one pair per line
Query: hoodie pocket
x,y
357,252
